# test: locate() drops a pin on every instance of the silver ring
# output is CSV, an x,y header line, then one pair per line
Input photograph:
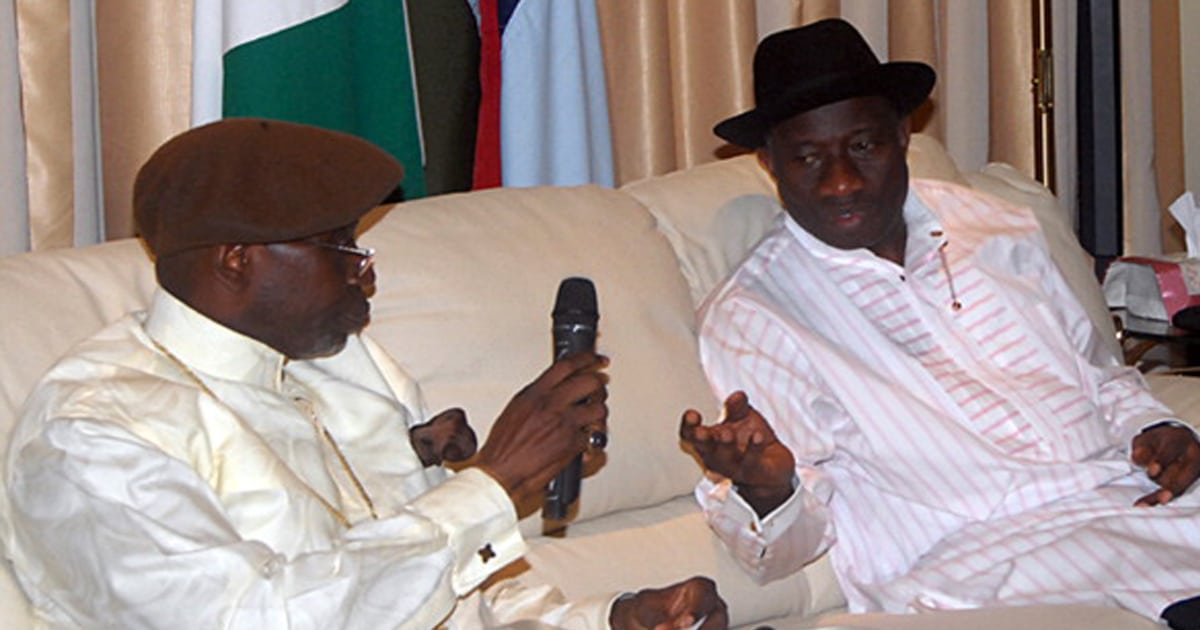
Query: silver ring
x,y
597,439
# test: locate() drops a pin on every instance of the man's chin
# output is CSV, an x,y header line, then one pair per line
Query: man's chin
x,y
327,349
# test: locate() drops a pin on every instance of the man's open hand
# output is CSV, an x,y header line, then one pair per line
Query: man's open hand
x,y
1171,456
680,605
744,448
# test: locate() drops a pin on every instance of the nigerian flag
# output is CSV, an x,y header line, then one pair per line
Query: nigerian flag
x,y
339,64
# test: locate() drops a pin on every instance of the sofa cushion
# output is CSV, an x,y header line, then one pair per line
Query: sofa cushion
x,y
1033,617
654,546
56,299
467,284
1180,393
712,215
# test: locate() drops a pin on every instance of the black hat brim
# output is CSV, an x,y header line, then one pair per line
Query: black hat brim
x,y
905,83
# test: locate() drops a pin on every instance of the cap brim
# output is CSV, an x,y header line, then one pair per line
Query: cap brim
x,y
906,84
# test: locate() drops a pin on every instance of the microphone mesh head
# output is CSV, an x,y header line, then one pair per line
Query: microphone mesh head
x,y
576,300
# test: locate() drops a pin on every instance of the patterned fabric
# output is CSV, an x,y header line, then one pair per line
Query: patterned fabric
x,y
173,473
958,428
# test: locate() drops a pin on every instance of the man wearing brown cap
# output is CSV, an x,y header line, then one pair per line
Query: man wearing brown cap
x,y
238,456
926,390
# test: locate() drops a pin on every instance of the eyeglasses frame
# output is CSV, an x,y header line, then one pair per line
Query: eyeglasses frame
x,y
366,255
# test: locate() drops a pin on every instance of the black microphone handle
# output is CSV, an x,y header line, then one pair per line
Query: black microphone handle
x,y
574,330
563,490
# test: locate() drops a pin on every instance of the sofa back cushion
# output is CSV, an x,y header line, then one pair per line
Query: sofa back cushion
x,y
466,286
55,299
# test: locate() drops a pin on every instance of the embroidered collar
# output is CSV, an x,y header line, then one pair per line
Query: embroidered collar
x,y
925,236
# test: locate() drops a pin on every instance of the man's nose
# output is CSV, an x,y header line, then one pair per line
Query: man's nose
x,y
841,177
366,278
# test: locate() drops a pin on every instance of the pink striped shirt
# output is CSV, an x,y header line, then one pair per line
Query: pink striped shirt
x,y
921,428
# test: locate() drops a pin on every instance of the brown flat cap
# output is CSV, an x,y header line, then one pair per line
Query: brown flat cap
x,y
249,180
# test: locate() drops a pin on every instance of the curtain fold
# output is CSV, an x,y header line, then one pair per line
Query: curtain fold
x,y
145,86
14,192
88,214
44,58
1143,225
1167,72
672,73
1010,71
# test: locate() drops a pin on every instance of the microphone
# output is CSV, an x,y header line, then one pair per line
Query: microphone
x,y
574,330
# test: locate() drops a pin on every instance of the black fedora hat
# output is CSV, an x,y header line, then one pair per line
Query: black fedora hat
x,y
804,68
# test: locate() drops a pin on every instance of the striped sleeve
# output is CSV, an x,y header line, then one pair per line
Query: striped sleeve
x,y
744,347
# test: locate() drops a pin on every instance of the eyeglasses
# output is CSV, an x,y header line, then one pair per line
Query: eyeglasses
x,y
366,255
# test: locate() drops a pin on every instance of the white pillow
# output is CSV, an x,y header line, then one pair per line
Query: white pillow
x,y
665,544
712,215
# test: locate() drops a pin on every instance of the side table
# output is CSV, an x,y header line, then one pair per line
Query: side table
x,y
1139,335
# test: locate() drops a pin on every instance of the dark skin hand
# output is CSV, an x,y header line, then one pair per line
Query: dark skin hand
x,y
1171,456
447,437
680,605
545,425
744,448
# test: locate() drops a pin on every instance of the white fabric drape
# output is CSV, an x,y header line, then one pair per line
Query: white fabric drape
x,y
1066,162
14,195
85,127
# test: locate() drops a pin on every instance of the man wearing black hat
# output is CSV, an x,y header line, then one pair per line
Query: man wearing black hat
x,y
239,456
926,390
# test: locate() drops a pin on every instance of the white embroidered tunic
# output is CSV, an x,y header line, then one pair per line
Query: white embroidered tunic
x,y
958,429
139,498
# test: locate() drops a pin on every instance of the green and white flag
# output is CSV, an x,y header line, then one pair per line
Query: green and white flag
x,y
338,64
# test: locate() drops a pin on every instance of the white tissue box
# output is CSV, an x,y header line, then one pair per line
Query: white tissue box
x,y
1153,287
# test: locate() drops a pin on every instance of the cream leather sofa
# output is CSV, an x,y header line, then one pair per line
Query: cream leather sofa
x,y
466,285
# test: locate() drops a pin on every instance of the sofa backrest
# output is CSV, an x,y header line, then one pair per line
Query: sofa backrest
x,y
467,283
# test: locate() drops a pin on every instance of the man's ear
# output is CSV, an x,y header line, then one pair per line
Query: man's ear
x,y
232,265
764,158
904,129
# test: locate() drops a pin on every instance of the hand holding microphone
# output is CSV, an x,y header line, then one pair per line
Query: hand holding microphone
x,y
573,330
549,422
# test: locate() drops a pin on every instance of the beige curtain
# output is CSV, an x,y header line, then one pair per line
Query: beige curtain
x,y
673,68
1152,112
676,67
94,88
1167,103
145,49
89,89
